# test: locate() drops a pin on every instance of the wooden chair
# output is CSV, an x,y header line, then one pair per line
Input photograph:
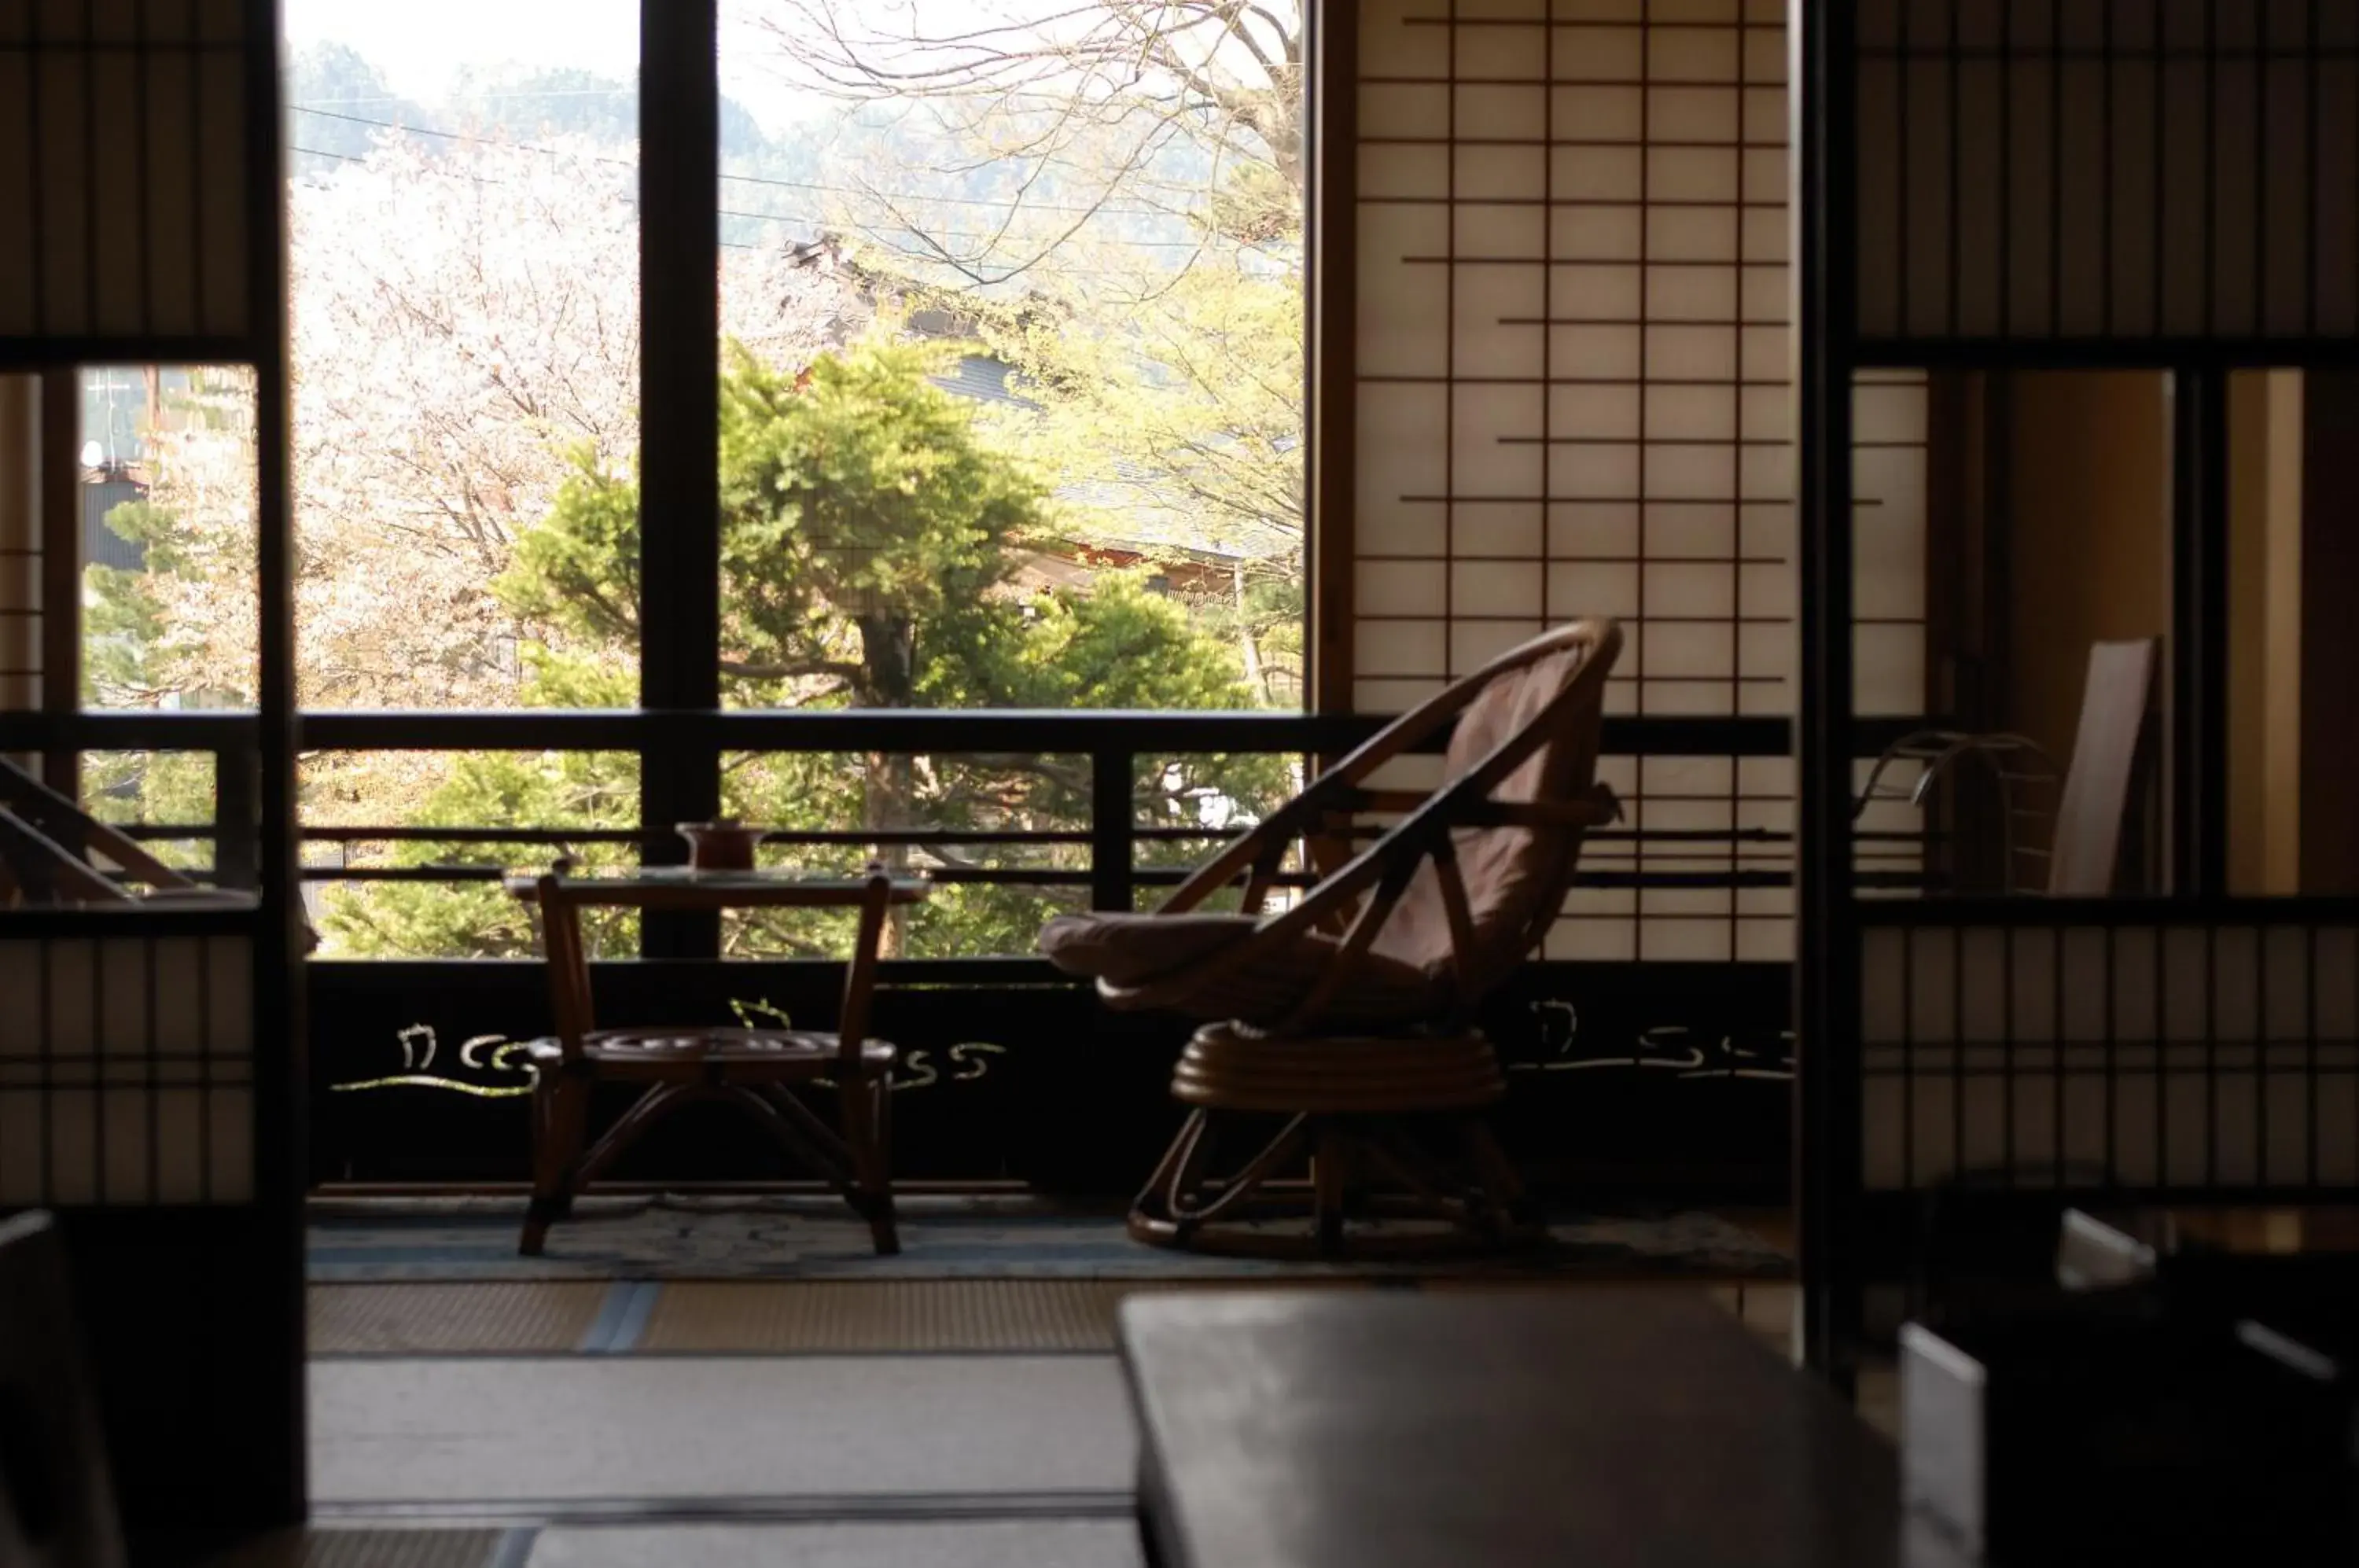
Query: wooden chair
x,y
1348,1016
46,845
2093,802
57,1497
46,841
755,1068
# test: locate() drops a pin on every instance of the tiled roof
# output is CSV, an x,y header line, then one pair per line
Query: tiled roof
x,y
984,379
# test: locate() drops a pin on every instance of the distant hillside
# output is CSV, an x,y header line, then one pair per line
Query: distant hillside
x,y
892,172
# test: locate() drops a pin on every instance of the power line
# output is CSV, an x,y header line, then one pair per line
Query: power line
x,y
726,245
458,136
806,219
486,94
742,178
474,178
954,201
943,234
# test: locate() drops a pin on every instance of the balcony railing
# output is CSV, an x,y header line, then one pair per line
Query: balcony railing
x,y
1112,745
1694,1086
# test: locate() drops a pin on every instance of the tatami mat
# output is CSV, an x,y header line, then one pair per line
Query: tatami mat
x,y
615,1429
818,1317
378,1549
969,1315
519,1318
792,1240
966,1543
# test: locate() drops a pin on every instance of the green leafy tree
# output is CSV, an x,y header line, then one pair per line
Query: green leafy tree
x,y
871,538
162,633
1148,166
1179,416
129,661
126,657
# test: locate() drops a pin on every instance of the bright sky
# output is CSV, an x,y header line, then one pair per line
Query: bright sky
x,y
421,45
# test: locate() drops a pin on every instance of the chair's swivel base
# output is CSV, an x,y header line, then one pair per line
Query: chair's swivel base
x,y
1402,1162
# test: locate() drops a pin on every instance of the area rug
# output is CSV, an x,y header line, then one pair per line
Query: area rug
x,y
355,1241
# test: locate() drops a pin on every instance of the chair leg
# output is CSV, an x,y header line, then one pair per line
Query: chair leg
x,y
1185,1200
1500,1189
651,1107
889,1242
1329,1182
561,1125
867,1130
1188,1130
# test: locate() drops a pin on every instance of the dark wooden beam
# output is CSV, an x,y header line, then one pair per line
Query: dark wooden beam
x,y
1827,1099
679,426
2329,633
1334,270
61,522
2198,801
267,1352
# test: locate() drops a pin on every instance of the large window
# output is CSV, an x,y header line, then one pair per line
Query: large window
x,y
1011,416
1048,260
165,487
1002,306
463,251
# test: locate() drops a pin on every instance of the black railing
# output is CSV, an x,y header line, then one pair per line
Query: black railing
x,y
1112,743
376,1116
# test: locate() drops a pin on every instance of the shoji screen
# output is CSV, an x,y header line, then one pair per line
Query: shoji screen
x,y
126,1066
2108,170
123,187
1573,399
2126,1054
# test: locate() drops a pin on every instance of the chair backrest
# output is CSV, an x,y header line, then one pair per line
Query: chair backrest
x,y
1534,723
57,1498
2086,850
48,838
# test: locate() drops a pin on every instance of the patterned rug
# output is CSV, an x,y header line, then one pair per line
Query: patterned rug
x,y
354,1241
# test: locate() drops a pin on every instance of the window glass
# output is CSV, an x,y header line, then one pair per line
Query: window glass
x,y
1013,409
463,251
165,484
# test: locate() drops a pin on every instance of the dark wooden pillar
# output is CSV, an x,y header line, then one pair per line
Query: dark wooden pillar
x,y
680,429
60,514
2329,632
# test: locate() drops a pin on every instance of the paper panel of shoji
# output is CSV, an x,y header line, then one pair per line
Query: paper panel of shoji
x,y
1573,349
20,544
1718,824
2108,170
2131,1055
127,1070
1704,841
122,202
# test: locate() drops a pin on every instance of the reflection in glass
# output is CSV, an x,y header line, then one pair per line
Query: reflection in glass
x,y
165,488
